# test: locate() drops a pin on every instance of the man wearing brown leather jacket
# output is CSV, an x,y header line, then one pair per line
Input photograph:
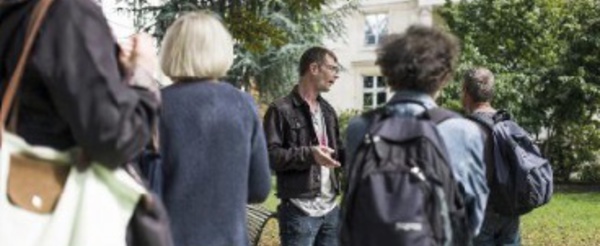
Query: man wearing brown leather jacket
x,y
305,150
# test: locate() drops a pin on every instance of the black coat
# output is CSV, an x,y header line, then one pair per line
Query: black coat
x,y
73,93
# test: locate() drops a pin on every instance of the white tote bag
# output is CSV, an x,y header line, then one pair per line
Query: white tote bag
x,y
91,207
94,208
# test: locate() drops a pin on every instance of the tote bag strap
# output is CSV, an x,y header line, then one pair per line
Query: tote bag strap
x,y
32,184
37,16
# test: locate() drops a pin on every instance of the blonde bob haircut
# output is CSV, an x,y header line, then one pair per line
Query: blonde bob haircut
x,y
196,45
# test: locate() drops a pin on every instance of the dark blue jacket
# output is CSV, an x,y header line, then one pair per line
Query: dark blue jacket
x,y
214,161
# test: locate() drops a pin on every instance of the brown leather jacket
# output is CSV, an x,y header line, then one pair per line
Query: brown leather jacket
x,y
290,134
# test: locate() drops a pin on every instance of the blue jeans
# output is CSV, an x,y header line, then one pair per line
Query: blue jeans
x,y
298,229
499,230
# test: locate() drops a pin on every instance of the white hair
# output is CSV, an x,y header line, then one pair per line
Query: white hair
x,y
196,45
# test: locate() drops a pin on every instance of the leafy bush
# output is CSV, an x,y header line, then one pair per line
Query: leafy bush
x,y
344,118
544,54
590,173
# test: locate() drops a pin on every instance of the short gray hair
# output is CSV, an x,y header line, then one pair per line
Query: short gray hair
x,y
197,45
479,84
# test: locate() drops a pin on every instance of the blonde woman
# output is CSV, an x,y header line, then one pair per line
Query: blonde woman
x,y
215,157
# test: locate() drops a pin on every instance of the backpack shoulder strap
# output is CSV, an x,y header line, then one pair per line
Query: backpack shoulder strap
x,y
376,115
499,116
439,115
502,115
482,121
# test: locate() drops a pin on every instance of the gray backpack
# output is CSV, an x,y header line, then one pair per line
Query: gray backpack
x,y
522,178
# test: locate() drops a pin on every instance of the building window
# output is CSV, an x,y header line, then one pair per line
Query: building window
x,y
374,92
376,26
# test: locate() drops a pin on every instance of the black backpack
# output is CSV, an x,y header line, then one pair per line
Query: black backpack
x,y
401,190
522,178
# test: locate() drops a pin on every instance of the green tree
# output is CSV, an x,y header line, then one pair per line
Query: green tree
x,y
544,55
274,69
270,34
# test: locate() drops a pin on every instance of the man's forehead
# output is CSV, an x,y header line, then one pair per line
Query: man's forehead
x,y
329,59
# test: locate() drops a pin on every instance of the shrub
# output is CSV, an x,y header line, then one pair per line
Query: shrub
x,y
590,173
344,118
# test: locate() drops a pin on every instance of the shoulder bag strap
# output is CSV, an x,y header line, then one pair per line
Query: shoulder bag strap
x,y
38,14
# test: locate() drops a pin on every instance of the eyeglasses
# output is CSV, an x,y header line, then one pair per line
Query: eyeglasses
x,y
332,68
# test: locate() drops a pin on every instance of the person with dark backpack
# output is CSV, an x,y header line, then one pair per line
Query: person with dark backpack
x,y
415,171
520,179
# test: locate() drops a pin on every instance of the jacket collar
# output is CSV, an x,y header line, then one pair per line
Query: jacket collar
x,y
413,97
297,100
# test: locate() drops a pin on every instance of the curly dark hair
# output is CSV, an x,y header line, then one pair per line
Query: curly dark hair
x,y
421,59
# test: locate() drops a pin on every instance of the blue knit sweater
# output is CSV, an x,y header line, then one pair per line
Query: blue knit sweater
x,y
214,162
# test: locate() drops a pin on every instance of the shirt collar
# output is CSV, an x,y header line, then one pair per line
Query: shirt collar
x,y
414,96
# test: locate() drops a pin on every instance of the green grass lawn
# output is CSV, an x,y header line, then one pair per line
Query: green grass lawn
x,y
272,202
572,218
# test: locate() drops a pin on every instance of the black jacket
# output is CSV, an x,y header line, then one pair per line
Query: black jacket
x,y
290,134
73,93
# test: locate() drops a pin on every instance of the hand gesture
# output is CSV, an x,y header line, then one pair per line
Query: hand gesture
x,y
139,55
323,156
